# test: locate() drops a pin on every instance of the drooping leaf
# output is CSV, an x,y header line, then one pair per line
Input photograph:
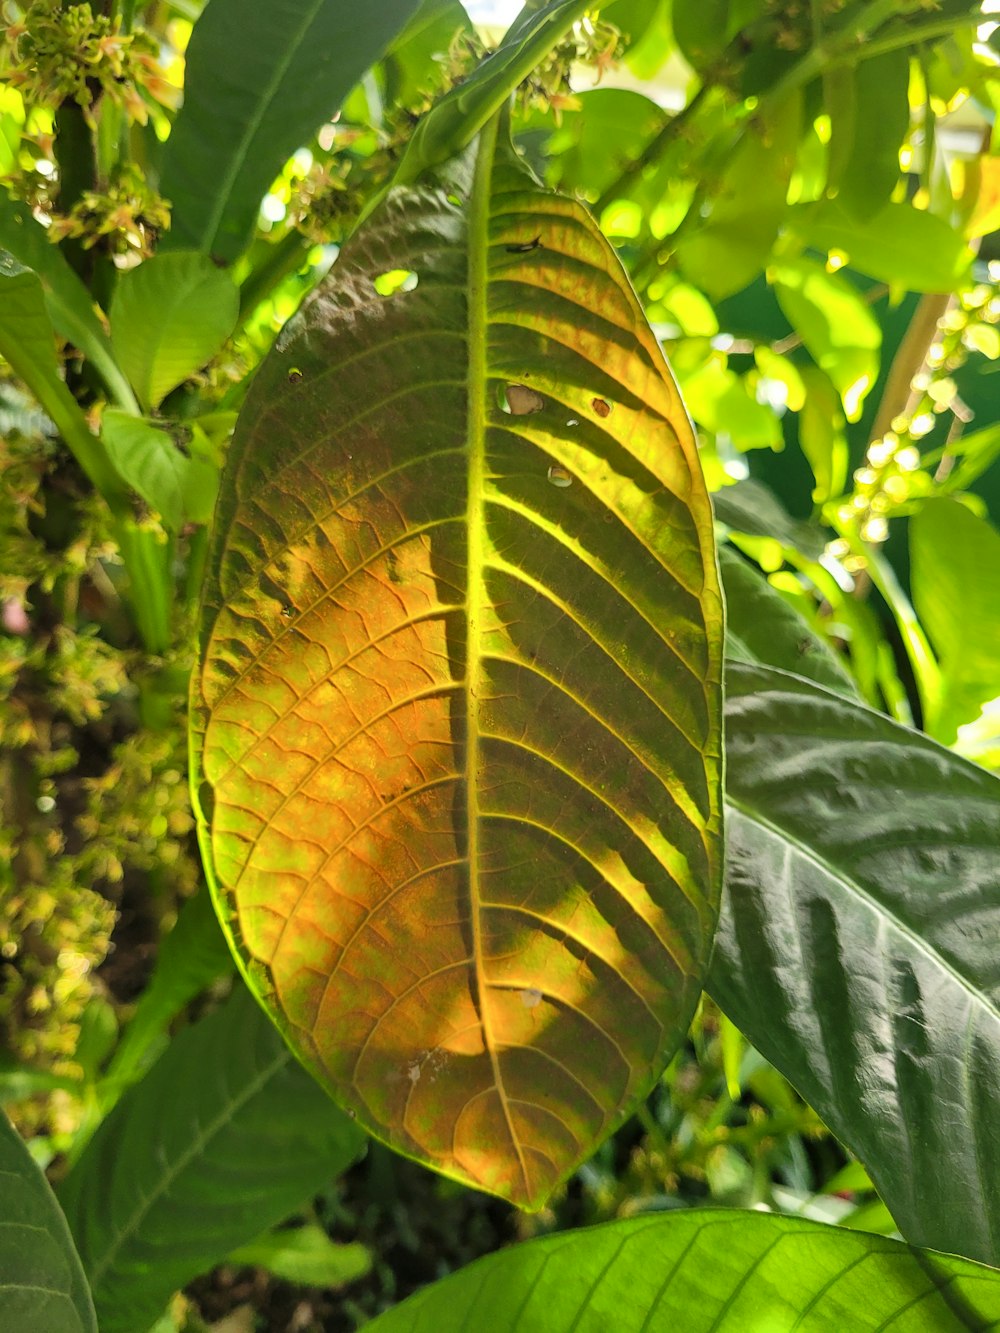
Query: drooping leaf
x,y
856,948
751,507
822,437
169,481
954,557
169,316
456,715
707,1271
725,252
838,330
27,344
762,627
878,118
42,1287
224,1135
262,76
900,245
67,300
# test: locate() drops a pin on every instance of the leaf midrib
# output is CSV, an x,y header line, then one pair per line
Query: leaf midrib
x,y
196,1148
478,277
856,888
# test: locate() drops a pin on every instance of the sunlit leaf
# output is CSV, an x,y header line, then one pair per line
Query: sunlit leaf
x,y
900,245
878,120
727,250
458,703
148,459
837,328
707,1271
954,556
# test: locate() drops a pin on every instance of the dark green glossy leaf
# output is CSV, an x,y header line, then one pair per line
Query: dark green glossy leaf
x,y
288,65
707,1271
857,946
751,507
762,627
225,1135
955,579
457,712
42,1287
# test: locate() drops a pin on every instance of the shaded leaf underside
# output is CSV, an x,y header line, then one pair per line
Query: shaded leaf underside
x,y
459,693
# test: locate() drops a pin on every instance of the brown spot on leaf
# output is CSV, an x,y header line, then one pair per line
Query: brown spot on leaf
x,y
601,407
522,401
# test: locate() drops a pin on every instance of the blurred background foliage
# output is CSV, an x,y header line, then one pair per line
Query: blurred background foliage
x,y
807,199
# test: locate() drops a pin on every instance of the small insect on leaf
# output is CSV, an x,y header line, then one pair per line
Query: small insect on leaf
x,y
524,247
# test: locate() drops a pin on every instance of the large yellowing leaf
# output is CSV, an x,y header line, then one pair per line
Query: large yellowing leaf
x,y
457,711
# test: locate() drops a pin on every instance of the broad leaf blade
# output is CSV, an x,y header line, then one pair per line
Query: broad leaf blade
x,y
762,627
707,1271
954,556
41,1281
169,317
262,76
857,945
458,702
224,1135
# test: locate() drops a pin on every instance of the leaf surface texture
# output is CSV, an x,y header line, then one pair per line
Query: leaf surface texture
x,y
458,706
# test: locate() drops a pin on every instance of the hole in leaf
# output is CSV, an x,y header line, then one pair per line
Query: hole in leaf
x,y
572,422
295,376
602,408
454,199
396,280
521,401
560,477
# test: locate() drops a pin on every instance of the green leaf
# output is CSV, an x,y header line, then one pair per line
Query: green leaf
x,y
727,251
838,330
67,300
953,558
27,344
591,146
223,1136
452,124
415,66
880,120
900,245
169,316
174,485
762,627
751,507
288,65
707,1271
191,957
305,1255
42,1287
857,946
457,712
821,435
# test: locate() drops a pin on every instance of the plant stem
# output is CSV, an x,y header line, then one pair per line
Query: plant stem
x,y
911,355
657,145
